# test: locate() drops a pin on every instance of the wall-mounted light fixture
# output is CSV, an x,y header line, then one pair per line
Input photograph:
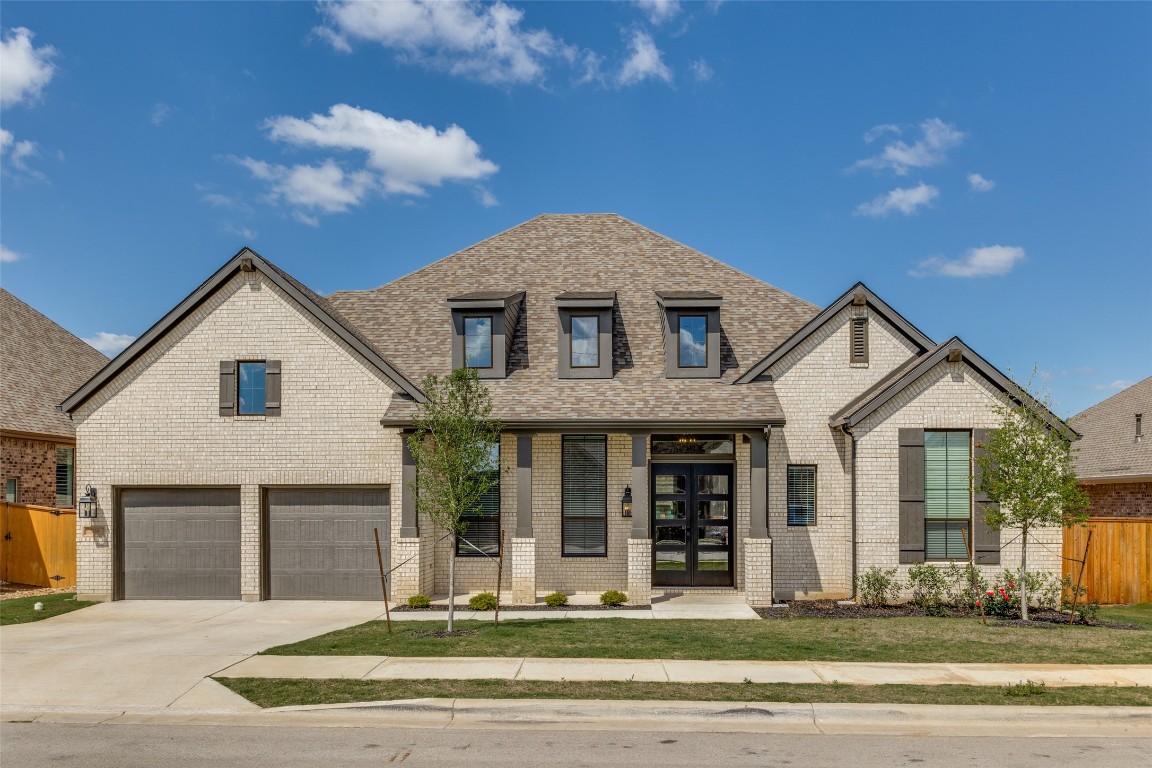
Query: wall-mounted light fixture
x,y
87,503
626,502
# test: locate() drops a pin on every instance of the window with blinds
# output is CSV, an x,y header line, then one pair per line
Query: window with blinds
x,y
584,486
801,494
65,466
859,339
947,494
482,536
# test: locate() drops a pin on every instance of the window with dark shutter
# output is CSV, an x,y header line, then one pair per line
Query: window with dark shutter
x,y
911,495
985,539
947,495
227,387
801,494
584,487
859,339
482,534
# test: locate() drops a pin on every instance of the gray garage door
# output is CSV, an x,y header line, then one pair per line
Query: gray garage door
x,y
320,543
180,543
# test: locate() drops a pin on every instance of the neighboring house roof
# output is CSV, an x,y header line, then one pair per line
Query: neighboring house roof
x,y
557,255
246,260
40,364
1109,449
910,372
857,293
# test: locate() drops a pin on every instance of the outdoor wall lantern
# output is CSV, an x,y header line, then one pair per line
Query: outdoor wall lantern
x,y
87,503
626,502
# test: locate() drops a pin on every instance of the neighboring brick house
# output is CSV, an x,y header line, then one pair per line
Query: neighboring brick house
x,y
40,365
762,446
1114,458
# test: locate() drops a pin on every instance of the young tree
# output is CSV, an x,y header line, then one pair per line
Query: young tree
x,y
451,447
1027,472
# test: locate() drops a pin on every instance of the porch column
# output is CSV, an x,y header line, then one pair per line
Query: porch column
x,y
408,547
758,546
524,540
409,525
640,539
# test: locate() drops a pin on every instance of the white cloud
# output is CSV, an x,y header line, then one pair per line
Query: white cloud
x,y
905,200
6,139
401,158
486,198
244,233
931,149
24,69
877,131
644,62
7,255
987,261
110,344
160,113
1118,384
659,11
701,71
476,40
980,184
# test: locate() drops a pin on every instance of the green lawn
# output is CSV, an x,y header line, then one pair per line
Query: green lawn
x,y
1139,614
20,610
282,693
912,639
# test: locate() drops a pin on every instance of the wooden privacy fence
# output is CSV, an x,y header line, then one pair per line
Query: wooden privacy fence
x,y
38,546
1119,568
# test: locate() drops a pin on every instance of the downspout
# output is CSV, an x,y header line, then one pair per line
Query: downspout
x,y
848,431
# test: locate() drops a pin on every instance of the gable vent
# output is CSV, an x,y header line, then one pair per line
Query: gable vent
x,y
859,339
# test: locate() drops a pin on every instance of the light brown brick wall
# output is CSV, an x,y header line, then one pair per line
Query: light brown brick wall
x,y
1120,499
158,422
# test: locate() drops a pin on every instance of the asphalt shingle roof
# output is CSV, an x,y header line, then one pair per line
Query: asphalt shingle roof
x,y
553,255
40,365
1108,448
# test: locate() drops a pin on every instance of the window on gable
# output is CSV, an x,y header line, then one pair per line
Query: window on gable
x,y
859,340
947,494
693,341
478,342
65,475
251,388
585,341
584,496
482,532
801,494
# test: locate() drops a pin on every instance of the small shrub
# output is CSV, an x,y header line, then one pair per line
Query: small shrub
x,y
485,601
419,601
1024,688
878,587
1043,588
556,600
613,597
966,585
928,585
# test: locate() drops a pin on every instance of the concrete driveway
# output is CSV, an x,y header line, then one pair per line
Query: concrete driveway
x,y
144,655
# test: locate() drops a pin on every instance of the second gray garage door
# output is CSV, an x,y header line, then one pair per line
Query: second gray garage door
x,y
320,543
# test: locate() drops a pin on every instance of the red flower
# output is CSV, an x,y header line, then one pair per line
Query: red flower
x,y
977,602
991,593
1011,585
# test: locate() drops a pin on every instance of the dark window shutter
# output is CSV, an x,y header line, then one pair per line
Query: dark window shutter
x,y
911,495
985,540
859,339
272,387
227,387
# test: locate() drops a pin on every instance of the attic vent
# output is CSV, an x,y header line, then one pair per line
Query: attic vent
x,y
859,340
955,355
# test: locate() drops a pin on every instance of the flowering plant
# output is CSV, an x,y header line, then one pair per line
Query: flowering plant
x,y
1002,600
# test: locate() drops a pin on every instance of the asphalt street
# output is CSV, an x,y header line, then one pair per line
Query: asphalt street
x,y
30,745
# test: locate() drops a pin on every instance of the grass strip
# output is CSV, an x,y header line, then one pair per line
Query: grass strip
x,y
276,692
906,639
21,610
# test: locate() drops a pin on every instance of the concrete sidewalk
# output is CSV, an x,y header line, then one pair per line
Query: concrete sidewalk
x,y
683,671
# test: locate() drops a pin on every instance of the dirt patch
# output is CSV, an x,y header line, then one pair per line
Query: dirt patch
x,y
9,591
442,633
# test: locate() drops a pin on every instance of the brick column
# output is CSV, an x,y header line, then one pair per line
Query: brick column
x,y
524,542
758,571
639,571
251,590
524,571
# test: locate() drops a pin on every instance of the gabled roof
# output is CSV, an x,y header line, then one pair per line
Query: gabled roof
x,y
1109,449
905,375
245,260
856,293
41,364
554,256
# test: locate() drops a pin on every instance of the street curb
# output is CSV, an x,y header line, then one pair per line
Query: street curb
x,y
754,717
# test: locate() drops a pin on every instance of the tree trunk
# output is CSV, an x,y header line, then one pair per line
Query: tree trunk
x,y
452,587
1024,574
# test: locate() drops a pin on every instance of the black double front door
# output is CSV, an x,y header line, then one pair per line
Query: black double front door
x,y
692,524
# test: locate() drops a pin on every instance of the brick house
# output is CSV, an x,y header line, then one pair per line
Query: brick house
x,y
40,365
670,423
1114,457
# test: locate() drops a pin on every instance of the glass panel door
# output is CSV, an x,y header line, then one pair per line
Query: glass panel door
x,y
692,523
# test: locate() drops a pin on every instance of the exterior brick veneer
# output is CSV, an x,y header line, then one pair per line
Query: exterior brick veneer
x,y
758,571
639,589
33,462
1120,499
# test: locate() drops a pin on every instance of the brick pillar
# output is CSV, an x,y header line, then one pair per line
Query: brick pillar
x,y
758,571
639,571
407,579
524,571
251,590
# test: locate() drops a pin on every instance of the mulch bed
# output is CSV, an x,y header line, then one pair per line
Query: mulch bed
x,y
831,609
9,591
539,607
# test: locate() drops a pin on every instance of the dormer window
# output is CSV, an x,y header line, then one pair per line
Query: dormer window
x,y
482,328
691,334
584,336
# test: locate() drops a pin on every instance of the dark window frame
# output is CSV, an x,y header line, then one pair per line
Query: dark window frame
x,y
673,306
815,495
239,366
493,491
563,517
964,524
491,318
15,483
572,317
680,318
70,480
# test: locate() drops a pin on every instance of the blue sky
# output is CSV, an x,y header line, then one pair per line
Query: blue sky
x,y
985,168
